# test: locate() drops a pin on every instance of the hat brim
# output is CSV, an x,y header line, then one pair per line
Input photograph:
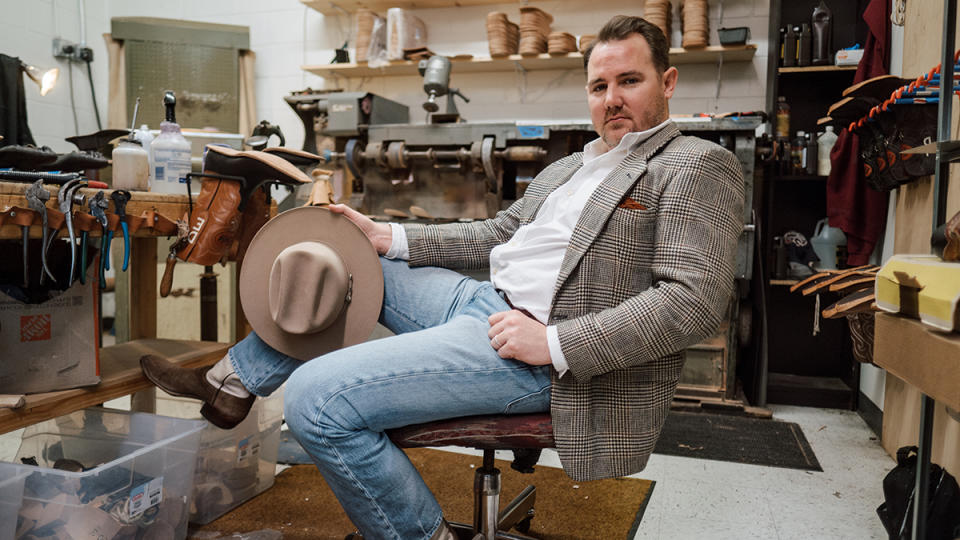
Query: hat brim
x,y
317,224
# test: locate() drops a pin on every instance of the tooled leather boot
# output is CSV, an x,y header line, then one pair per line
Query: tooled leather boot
x,y
215,222
222,409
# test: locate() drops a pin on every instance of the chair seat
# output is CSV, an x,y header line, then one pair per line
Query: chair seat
x,y
488,432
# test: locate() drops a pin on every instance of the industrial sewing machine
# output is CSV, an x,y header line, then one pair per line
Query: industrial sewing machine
x,y
450,169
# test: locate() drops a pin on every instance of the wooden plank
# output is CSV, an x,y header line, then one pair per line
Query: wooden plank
x,y
171,206
121,375
914,211
481,64
921,356
807,69
901,425
337,7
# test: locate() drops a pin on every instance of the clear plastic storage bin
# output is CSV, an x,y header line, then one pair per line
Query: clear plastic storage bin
x,y
101,473
233,465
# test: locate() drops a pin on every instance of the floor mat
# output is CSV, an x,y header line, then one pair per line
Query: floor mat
x,y
301,506
740,439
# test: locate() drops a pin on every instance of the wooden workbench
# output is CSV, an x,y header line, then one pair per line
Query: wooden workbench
x,y
136,321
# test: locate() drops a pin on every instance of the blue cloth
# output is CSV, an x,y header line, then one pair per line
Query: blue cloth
x,y
439,365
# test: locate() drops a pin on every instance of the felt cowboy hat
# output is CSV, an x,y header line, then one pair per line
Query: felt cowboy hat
x,y
311,283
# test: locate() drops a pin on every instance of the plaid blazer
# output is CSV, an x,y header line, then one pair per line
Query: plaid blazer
x,y
648,272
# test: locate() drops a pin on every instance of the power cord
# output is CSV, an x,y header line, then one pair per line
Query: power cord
x,y
86,54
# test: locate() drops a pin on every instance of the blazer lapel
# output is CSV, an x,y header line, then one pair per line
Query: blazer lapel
x,y
606,197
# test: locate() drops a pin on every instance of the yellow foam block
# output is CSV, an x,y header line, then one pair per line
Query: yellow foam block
x,y
921,286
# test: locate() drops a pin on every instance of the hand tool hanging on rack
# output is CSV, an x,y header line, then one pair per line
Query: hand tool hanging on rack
x,y
166,282
120,198
37,198
66,198
24,218
98,209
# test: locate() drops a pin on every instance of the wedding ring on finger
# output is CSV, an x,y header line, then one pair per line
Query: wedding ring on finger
x,y
496,341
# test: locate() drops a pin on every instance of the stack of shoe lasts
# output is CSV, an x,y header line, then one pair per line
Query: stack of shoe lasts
x,y
561,43
696,27
658,13
534,29
584,42
503,36
856,289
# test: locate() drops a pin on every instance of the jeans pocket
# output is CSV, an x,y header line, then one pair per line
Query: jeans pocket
x,y
534,402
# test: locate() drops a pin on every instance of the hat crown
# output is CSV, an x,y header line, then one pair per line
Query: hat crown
x,y
309,287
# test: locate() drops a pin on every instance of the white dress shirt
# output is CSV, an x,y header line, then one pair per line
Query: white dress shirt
x,y
526,267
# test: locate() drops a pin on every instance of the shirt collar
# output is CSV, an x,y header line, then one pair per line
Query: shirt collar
x,y
630,141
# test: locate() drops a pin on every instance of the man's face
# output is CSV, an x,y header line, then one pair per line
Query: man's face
x,y
625,91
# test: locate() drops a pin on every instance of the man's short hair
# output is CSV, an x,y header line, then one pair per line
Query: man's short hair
x,y
622,27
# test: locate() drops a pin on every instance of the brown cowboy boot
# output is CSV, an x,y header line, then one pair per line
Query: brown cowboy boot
x,y
222,409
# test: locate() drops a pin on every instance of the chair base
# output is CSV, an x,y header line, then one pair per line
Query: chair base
x,y
517,514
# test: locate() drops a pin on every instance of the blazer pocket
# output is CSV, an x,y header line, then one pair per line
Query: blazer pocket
x,y
631,204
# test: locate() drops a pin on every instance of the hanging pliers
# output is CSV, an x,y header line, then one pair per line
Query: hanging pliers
x,y
98,209
37,198
66,198
120,198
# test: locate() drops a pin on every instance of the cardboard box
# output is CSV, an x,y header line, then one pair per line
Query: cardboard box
x,y
848,57
924,358
923,287
53,345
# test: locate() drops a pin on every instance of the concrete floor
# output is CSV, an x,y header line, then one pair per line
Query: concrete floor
x,y
714,500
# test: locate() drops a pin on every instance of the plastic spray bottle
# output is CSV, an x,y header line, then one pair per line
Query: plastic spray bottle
x,y
170,152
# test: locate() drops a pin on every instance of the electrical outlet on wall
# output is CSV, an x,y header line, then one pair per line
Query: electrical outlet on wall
x,y
71,51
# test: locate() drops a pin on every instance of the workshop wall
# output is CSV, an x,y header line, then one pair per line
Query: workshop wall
x,y
285,35
27,30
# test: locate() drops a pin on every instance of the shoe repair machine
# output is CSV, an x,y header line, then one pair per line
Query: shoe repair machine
x,y
450,169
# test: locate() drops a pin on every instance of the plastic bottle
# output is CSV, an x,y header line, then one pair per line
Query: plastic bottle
x,y
170,152
146,138
826,242
790,47
824,146
783,118
798,148
131,166
812,155
804,41
822,47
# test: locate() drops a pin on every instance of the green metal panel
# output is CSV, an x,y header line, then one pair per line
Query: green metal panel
x,y
197,61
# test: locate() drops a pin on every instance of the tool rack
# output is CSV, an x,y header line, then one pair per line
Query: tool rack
x,y
149,217
946,346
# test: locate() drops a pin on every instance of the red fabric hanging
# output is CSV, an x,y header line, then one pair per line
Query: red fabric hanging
x,y
852,205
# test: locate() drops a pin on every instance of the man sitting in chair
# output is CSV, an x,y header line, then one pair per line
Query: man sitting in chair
x,y
612,263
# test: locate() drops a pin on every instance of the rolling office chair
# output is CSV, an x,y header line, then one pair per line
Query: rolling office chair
x,y
525,434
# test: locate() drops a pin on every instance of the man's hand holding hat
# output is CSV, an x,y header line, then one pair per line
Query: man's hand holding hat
x,y
378,233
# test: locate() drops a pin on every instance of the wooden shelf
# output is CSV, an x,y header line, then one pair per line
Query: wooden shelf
x,y
480,64
337,7
784,282
798,178
120,376
807,69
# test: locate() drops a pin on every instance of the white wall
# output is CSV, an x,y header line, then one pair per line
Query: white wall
x,y
27,29
285,35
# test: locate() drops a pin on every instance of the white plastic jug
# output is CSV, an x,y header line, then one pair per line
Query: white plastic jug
x,y
825,241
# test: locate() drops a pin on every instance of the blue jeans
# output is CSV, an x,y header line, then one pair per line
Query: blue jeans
x,y
439,365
